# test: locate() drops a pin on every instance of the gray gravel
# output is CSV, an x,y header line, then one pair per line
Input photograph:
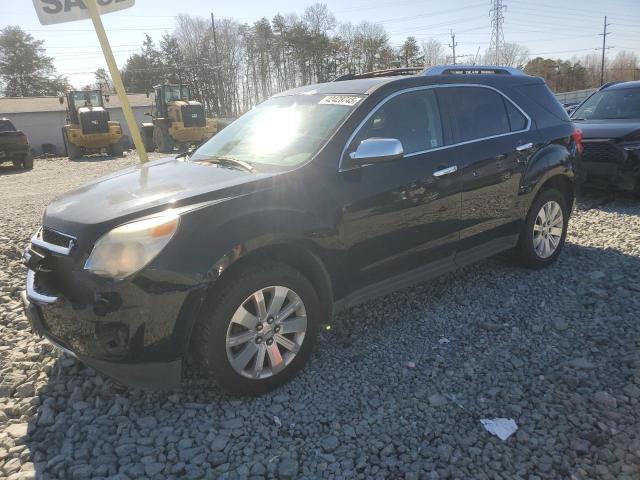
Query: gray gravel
x,y
557,350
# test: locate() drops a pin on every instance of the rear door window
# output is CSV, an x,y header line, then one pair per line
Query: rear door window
x,y
412,117
477,113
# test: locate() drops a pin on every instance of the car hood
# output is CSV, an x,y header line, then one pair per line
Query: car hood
x,y
615,129
141,190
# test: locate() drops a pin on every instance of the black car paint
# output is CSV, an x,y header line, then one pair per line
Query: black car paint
x,y
619,167
362,231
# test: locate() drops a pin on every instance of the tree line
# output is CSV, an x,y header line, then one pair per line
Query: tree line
x,y
232,66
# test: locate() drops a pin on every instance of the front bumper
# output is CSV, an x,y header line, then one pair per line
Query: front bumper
x,y
152,375
607,163
136,330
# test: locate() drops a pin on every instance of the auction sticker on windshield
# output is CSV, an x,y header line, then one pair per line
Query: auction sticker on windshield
x,y
346,100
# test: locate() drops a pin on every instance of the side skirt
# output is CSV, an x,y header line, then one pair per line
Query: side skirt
x,y
425,272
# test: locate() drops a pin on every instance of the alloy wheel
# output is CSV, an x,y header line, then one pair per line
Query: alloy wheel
x,y
547,229
266,332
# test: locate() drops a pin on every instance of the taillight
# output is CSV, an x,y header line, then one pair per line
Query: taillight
x,y
577,138
23,140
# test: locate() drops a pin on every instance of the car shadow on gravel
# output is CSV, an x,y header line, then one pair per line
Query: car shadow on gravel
x,y
398,386
8,169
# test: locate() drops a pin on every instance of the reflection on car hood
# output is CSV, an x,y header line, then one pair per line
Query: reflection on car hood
x,y
616,129
137,189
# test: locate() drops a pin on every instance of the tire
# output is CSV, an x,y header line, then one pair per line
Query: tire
x,y
162,139
73,152
147,139
116,149
530,251
225,302
27,161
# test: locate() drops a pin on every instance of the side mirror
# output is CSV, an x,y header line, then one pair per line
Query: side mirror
x,y
377,150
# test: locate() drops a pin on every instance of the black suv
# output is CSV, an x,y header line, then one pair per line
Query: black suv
x,y
314,201
610,124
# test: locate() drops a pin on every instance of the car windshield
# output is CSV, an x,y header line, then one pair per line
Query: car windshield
x,y
610,104
283,131
82,99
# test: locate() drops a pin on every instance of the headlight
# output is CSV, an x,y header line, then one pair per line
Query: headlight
x,y
128,248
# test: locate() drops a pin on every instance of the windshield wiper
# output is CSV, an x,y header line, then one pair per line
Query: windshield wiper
x,y
228,162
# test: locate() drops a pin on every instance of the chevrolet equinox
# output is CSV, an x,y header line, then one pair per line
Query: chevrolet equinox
x,y
316,200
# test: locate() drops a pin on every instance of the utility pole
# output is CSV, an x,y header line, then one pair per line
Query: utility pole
x,y
216,82
453,46
604,48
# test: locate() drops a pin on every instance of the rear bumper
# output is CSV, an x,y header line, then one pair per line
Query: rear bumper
x,y
149,375
11,154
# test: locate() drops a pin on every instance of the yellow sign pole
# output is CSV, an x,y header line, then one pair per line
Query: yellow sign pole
x,y
117,80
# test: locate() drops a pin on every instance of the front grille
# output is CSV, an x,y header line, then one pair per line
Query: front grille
x,y
601,152
56,238
94,121
193,116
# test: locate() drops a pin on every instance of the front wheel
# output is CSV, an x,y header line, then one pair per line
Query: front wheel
x,y
258,329
545,229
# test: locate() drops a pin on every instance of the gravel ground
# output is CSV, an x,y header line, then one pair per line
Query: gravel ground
x,y
556,350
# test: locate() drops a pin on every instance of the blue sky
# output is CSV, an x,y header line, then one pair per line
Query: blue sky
x,y
552,28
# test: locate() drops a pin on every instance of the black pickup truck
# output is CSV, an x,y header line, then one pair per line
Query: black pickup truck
x,y
14,146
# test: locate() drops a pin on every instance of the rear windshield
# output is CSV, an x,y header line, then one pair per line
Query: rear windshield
x,y
6,126
615,104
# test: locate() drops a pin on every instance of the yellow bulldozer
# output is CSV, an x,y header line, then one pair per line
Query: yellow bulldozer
x,y
89,128
177,120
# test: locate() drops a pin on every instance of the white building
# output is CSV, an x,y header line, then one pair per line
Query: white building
x,y
42,118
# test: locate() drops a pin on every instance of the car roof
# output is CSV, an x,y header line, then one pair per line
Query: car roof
x,y
622,85
366,86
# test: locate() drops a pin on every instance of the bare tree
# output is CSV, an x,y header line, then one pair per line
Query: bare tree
x,y
433,53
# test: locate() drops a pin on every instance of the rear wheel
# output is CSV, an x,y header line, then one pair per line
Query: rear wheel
x,y
27,161
545,229
162,139
147,138
258,329
116,150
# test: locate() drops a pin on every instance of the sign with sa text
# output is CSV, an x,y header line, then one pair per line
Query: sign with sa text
x,y
61,11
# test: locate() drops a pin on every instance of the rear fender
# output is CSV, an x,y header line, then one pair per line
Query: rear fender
x,y
551,160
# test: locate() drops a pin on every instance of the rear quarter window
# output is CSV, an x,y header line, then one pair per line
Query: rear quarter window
x,y
540,94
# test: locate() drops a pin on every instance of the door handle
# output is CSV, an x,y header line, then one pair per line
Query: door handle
x,y
523,147
445,171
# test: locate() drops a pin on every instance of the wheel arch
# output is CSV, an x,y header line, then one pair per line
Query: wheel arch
x,y
296,255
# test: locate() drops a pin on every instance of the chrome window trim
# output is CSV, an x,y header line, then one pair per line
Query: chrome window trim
x,y
36,240
428,87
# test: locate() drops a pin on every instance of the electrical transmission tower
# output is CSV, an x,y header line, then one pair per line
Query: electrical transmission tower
x,y
497,35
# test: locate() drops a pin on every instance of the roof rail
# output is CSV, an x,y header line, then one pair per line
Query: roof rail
x,y
390,72
472,70
609,84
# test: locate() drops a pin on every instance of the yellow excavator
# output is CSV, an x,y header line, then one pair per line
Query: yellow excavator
x,y
177,120
89,128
